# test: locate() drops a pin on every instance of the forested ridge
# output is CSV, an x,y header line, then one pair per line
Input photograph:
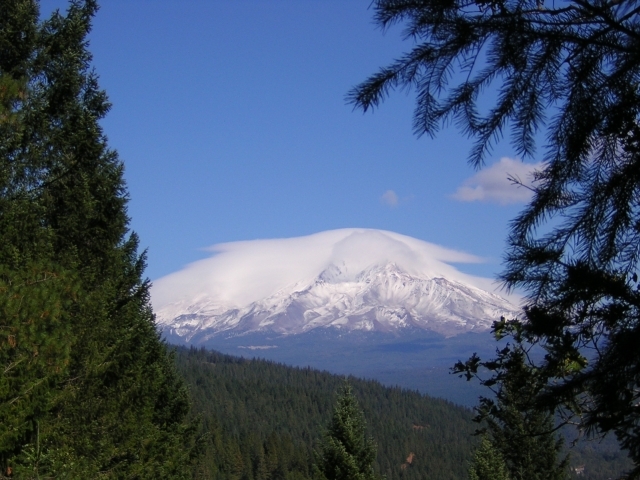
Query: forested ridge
x,y
262,419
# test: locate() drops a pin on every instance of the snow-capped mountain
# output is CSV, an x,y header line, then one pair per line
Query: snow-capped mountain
x,y
375,294
370,303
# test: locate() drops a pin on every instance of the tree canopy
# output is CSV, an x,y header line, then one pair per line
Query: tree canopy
x,y
566,75
346,453
87,388
520,432
487,463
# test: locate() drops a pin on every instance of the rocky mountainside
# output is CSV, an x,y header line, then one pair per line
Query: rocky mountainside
x,y
380,298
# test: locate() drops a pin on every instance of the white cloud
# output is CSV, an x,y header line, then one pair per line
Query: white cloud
x,y
492,184
242,272
390,198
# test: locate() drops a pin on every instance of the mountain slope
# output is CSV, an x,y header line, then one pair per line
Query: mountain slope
x,y
348,280
382,298
263,420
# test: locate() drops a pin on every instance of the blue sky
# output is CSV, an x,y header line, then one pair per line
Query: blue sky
x,y
230,117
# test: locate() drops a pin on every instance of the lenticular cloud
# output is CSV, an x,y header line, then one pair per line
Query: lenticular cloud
x,y
239,273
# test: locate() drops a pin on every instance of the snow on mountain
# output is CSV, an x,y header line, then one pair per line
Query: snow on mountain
x,y
350,279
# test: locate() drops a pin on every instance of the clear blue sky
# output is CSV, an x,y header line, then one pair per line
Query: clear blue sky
x,y
230,117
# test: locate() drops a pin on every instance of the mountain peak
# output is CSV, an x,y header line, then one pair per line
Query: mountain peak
x,y
381,297
350,279
240,273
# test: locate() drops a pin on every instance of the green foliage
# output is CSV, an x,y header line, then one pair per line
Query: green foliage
x,y
488,463
568,71
87,387
517,428
265,420
345,451
34,350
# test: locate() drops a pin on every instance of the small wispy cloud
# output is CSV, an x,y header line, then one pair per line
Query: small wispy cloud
x,y
493,183
390,198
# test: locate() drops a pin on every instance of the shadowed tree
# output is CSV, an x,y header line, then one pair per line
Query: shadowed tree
x,y
488,463
519,430
568,72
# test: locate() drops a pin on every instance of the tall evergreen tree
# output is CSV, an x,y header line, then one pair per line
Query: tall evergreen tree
x,y
518,429
87,387
488,463
346,453
567,72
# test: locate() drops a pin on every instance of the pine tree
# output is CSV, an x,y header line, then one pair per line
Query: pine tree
x,y
88,387
346,453
566,72
488,463
518,429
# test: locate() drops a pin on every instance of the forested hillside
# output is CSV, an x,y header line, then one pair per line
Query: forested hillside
x,y
262,419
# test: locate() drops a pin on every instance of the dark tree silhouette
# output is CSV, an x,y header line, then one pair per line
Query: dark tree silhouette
x,y
568,71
